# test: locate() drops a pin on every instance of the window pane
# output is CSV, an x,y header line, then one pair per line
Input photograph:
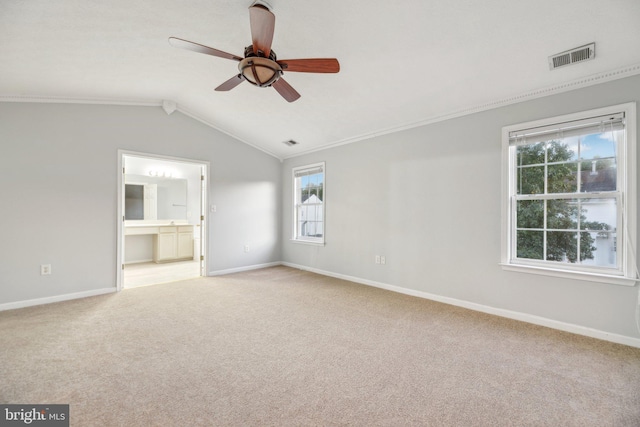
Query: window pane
x,y
598,175
598,214
562,214
562,178
530,214
530,180
598,146
316,229
530,244
321,187
312,185
532,154
562,150
562,246
598,248
599,217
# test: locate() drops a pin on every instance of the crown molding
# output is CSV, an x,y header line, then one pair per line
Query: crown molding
x,y
69,100
583,82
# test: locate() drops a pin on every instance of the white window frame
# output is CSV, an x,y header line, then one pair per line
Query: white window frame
x,y
296,171
626,274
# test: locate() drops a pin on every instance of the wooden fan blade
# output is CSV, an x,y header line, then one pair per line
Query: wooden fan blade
x,y
311,65
285,89
230,84
186,44
263,23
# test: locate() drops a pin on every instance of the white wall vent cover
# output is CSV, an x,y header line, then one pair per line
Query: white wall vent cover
x,y
579,54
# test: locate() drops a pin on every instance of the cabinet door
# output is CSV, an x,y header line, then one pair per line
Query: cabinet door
x,y
167,246
185,245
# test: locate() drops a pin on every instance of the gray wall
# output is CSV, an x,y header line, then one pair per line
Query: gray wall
x,y
429,200
58,188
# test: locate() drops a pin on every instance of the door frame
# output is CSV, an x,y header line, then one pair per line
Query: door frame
x,y
204,222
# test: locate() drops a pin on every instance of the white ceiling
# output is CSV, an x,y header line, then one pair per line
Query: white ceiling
x,y
402,63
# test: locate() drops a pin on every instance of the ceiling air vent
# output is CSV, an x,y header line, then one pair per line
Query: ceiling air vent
x,y
290,143
579,54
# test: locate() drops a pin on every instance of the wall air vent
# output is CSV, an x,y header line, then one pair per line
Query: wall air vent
x,y
290,142
579,54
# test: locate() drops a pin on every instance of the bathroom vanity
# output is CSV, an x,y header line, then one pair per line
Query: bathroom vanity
x,y
156,225
173,242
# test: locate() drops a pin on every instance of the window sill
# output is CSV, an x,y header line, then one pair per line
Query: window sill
x,y
307,242
576,275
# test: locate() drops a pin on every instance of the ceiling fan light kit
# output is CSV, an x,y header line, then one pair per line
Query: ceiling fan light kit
x,y
259,65
258,70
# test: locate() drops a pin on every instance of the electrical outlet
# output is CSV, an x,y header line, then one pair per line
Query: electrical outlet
x,y
214,208
246,248
45,269
377,259
383,260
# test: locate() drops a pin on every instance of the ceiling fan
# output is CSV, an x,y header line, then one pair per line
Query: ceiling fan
x,y
260,67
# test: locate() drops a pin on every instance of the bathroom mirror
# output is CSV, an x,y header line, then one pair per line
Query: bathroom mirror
x,y
155,198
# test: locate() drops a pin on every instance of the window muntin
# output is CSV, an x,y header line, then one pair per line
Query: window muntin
x,y
566,182
309,196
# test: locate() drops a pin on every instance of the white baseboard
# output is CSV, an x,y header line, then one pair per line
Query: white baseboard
x,y
529,318
536,320
56,298
66,297
246,268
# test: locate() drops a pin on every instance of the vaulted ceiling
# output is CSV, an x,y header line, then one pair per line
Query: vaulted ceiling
x,y
402,63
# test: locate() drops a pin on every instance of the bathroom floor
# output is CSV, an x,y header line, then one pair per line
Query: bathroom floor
x,y
150,273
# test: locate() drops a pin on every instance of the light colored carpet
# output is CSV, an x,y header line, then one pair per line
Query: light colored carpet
x,y
281,346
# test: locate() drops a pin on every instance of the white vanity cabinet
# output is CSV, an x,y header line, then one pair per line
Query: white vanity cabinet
x,y
173,243
185,242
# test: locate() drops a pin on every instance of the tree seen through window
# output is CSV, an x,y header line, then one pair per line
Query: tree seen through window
x,y
551,224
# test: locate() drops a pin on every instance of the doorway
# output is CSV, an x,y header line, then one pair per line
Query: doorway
x,y
161,219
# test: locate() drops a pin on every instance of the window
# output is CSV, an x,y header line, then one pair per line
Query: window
x,y
570,196
309,196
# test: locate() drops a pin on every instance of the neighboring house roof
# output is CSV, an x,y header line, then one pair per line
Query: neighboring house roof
x,y
602,180
312,199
